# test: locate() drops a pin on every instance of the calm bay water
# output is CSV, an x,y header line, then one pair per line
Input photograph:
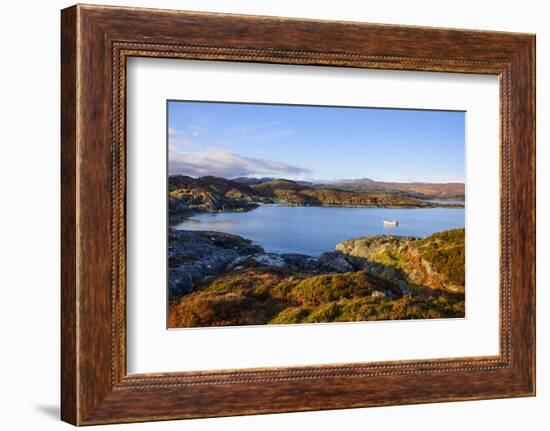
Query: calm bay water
x,y
314,230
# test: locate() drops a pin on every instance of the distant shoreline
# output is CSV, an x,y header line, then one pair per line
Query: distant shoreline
x,y
209,194
175,219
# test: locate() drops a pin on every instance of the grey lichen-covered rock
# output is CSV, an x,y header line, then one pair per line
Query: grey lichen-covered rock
x,y
327,262
194,256
364,253
366,246
299,262
335,262
177,206
269,259
259,259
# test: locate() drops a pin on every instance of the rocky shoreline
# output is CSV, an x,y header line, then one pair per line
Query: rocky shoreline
x,y
196,257
219,279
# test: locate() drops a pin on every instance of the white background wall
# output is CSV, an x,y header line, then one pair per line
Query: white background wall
x,y
29,227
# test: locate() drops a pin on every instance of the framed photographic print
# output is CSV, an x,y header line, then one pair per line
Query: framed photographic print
x,y
265,215
272,222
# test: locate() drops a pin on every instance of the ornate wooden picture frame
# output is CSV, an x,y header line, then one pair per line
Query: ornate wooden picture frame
x,y
96,41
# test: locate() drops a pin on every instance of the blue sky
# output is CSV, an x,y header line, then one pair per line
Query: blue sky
x,y
315,143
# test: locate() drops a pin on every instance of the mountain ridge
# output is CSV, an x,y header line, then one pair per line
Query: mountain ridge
x,y
414,189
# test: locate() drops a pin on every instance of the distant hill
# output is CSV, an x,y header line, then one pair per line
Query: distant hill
x,y
252,180
208,183
213,194
416,190
450,191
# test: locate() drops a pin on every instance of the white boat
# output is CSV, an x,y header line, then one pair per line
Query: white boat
x,y
391,222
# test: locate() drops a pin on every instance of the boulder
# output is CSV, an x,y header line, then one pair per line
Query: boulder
x,y
194,256
383,294
334,262
269,259
299,262
259,259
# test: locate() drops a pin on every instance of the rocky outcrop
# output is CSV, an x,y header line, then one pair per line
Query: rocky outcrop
x,y
207,194
435,262
334,262
409,263
185,202
370,246
193,257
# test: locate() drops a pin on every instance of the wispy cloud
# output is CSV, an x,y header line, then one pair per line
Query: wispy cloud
x,y
196,130
260,132
251,127
177,141
226,164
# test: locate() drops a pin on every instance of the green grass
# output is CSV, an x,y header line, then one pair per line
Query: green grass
x,y
446,252
256,296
